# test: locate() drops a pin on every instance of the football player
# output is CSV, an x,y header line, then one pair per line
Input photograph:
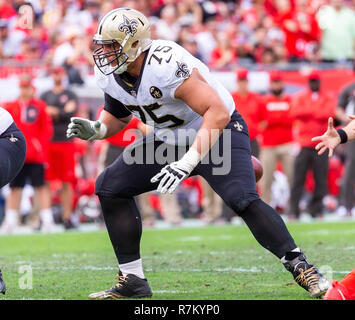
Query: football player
x,y
162,84
12,156
344,289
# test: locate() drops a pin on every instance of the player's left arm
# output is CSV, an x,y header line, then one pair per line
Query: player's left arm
x,y
204,100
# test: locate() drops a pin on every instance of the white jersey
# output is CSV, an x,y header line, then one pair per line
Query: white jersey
x,y
5,120
152,100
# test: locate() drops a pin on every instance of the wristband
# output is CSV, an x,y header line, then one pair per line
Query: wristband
x,y
343,136
99,133
103,131
190,159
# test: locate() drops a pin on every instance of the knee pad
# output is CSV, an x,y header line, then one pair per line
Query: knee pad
x,y
239,203
110,185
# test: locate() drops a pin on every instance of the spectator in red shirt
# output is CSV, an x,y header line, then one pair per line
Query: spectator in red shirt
x,y
311,108
301,29
248,104
32,119
224,54
276,134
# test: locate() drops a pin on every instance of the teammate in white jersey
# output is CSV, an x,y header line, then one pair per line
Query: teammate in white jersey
x,y
12,156
197,131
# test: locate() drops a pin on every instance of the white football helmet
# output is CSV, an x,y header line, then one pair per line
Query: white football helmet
x,y
120,28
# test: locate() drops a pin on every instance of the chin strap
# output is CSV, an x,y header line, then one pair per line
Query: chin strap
x,y
139,51
122,68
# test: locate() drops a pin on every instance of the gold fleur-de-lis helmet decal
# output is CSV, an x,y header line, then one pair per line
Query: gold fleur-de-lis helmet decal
x,y
128,26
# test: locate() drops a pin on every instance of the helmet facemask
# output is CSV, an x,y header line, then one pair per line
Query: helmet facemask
x,y
104,60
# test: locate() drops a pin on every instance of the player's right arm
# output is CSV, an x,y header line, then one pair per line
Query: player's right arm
x,y
113,124
113,118
332,137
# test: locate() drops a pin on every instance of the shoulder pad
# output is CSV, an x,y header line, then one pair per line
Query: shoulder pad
x,y
172,64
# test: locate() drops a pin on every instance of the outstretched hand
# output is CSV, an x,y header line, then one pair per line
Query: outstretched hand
x,y
329,140
85,129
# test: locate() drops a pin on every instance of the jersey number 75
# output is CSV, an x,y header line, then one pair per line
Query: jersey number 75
x,y
176,122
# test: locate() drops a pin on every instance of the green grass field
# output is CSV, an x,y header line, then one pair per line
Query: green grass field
x,y
217,262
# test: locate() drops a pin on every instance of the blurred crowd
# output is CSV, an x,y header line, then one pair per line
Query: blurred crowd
x,y
57,35
220,33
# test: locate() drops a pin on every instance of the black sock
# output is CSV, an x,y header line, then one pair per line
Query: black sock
x,y
268,228
292,255
124,226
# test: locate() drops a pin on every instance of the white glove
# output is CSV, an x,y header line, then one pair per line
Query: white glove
x,y
86,129
171,175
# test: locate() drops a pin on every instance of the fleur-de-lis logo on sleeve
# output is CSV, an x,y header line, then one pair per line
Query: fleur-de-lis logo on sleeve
x,y
13,139
238,126
128,26
182,70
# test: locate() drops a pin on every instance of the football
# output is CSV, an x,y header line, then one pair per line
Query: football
x,y
258,168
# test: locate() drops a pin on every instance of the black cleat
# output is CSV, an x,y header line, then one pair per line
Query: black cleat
x,y
129,286
307,276
2,284
68,225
